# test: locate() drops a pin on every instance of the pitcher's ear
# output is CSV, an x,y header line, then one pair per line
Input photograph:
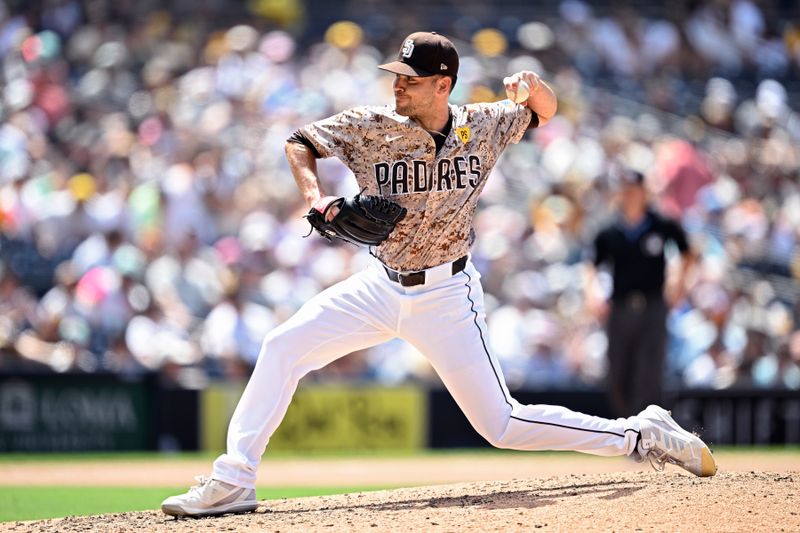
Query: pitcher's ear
x,y
445,83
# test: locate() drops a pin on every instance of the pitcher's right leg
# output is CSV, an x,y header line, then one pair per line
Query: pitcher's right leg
x,y
349,316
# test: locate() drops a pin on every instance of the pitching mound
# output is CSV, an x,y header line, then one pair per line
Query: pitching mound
x,y
629,501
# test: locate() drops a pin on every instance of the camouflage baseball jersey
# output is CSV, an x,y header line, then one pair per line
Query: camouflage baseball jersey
x,y
395,157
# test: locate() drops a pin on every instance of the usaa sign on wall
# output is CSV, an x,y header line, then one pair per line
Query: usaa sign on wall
x,y
65,413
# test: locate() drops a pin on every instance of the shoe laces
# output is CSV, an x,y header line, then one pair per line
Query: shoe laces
x,y
658,458
658,461
202,481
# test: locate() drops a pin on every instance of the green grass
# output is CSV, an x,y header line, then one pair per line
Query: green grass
x,y
271,455
282,455
33,503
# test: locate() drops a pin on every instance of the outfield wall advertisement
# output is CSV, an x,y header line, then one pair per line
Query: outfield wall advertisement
x,y
73,413
80,412
331,418
730,417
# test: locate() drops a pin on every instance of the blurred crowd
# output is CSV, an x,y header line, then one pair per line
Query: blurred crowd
x,y
149,221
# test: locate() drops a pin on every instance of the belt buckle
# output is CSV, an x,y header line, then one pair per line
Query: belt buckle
x,y
409,279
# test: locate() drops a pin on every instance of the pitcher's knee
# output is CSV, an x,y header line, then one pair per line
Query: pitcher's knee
x,y
496,434
505,441
497,442
280,350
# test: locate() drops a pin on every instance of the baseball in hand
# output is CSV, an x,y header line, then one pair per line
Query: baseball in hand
x,y
522,93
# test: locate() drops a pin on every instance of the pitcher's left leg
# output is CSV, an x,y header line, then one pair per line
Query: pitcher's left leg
x,y
447,325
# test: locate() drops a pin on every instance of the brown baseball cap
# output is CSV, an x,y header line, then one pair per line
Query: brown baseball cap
x,y
425,54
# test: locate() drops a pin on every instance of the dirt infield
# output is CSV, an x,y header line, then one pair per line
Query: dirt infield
x,y
628,501
467,492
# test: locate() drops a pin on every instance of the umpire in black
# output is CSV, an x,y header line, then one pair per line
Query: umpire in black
x,y
633,247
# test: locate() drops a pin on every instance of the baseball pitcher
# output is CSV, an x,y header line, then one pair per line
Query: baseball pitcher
x,y
420,164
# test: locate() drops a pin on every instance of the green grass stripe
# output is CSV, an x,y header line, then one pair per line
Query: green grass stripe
x,y
171,457
5,458
34,503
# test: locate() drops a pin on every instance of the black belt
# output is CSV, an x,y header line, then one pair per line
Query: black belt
x,y
412,279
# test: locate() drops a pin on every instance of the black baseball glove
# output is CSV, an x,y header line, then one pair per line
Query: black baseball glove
x,y
362,220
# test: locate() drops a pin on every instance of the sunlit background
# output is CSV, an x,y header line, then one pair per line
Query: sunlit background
x,y
150,225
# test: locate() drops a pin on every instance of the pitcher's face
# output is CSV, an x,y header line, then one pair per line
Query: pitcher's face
x,y
414,95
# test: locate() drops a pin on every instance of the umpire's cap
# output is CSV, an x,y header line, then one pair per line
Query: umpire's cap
x,y
625,178
425,54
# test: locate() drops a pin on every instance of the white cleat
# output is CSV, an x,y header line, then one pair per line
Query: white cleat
x,y
664,441
211,497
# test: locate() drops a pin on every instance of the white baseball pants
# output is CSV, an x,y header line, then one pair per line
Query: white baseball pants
x,y
444,319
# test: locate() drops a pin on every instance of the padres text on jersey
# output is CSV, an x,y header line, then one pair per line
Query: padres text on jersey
x,y
393,156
